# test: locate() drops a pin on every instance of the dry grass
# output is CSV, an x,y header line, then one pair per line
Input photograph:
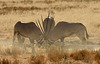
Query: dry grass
x,y
38,59
84,11
54,55
14,52
57,56
83,55
16,62
5,61
97,57
8,61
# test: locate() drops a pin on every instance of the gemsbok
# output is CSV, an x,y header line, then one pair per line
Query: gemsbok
x,y
48,25
28,30
65,29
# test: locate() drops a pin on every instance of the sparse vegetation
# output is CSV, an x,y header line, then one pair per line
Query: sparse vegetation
x,y
56,56
79,57
16,62
97,56
5,61
38,59
83,11
82,55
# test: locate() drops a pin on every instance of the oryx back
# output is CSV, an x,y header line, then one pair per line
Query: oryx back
x,y
65,29
29,30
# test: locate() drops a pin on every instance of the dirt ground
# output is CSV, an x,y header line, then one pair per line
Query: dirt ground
x,y
85,12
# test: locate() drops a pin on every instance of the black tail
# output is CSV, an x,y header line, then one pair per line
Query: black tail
x,y
87,36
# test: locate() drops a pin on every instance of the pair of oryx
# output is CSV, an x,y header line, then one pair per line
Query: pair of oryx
x,y
48,31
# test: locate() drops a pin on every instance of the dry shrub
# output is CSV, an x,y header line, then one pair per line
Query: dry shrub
x,y
97,56
16,62
60,62
4,51
5,61
49,1
32,57
55,56
46,1
38,59
16,50
81,55
21,8
79,0
27,1
11,50
8,51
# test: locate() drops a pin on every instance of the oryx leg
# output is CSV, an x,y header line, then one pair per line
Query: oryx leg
x,y
22,41
23,44
50,42
40,42
19,39
32,45
14,36
62,43
82,38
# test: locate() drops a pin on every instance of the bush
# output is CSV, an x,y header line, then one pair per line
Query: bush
x,y
97,57
38,59
57,56
81,55
5,61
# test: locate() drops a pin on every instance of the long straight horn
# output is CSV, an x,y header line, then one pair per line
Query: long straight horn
x,y
48,14
41,18
37,24
40,27
42,23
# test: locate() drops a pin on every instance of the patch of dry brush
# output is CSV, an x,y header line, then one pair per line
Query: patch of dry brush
x,y
5,61
38,59
97,56
8,61
57,56
82,55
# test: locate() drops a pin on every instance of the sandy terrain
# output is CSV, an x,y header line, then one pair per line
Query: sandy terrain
x,y
88,13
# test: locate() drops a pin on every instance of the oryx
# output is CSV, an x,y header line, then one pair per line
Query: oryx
x,y
28,30
64,29
48,25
